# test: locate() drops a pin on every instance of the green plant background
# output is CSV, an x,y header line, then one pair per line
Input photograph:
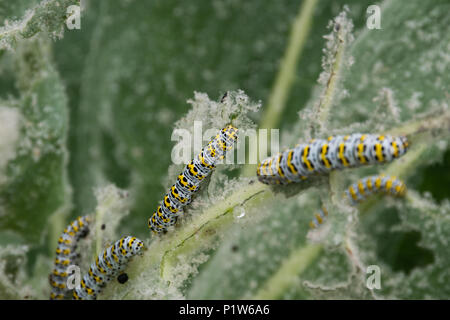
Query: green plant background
x,y
97,106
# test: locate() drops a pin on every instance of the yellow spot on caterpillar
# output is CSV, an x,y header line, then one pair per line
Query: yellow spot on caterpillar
x,y
289,163
280,172
269,167
361,187
305,159
395,147
378,182
361,156
341,154
130,243
379,152
323,156
319,218
389,183
352,193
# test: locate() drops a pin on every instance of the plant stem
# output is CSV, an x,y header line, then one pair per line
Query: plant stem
x,y
439,120
326,100
290,269
286,72
189,236
205,234
283,81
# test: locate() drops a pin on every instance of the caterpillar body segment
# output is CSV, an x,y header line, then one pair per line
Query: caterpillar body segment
x,y
189,180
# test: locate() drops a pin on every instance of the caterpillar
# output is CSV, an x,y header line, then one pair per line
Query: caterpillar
x,y
188,182
65,256
319,218
109,264
365,187
362,189
321,156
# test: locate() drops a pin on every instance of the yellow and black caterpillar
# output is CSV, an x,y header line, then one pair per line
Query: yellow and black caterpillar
x,y
361,190
322,156
367,186
319,218
66,256
108,265
188,182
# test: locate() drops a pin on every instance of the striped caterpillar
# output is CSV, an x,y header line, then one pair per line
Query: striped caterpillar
x,y
367,186
319,218
321,156
108,265
66,256
361,190
188,182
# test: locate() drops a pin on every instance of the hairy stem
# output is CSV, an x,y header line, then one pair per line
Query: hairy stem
x,y
326,101
286,73
189,236
204,236
290,269
283,81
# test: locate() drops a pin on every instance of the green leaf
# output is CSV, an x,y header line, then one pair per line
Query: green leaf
x,y
35,183
400,67
215,281
138,70
47,16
